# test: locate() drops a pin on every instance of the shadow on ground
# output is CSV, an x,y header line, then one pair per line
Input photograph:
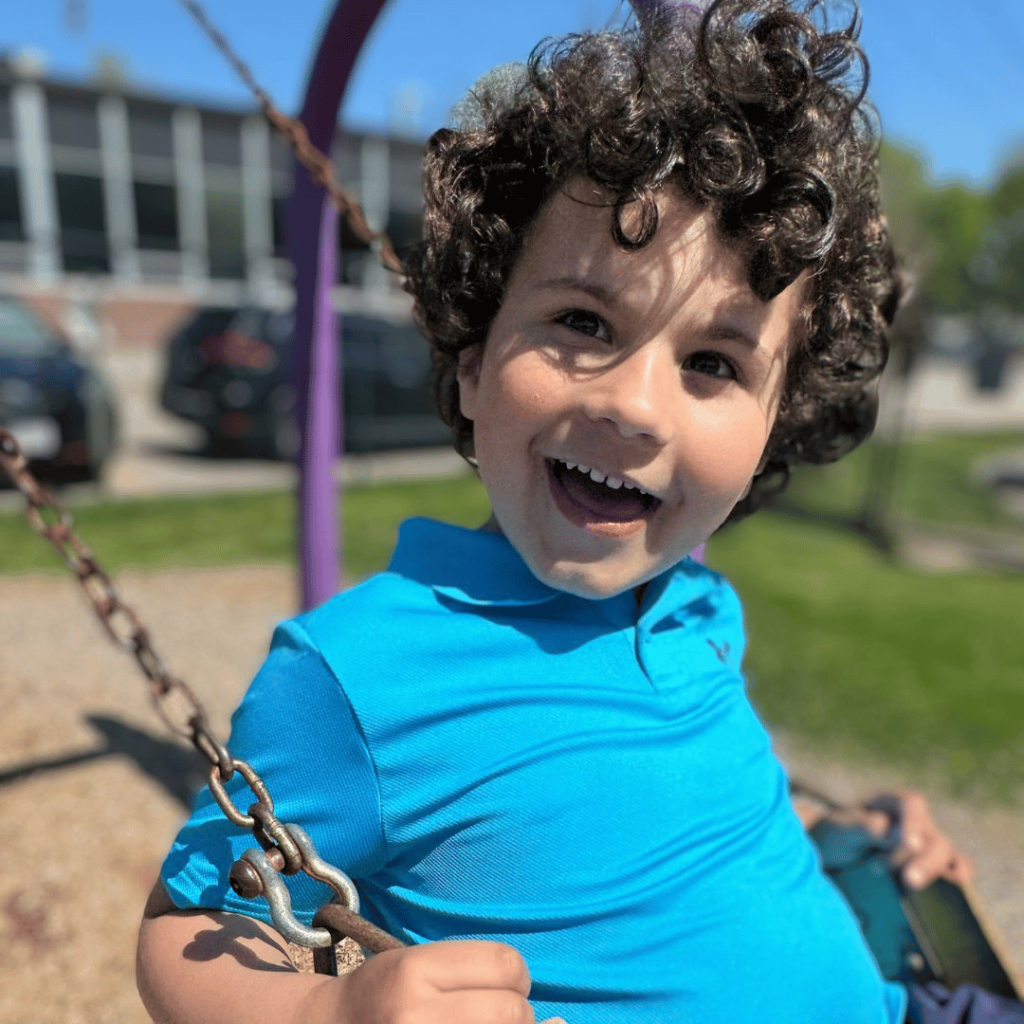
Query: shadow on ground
x,y
176,769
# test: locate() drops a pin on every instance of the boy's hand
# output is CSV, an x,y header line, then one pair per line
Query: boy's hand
x,y
456,982
924,852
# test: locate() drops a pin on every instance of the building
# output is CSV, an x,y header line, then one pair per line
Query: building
x,y
129,208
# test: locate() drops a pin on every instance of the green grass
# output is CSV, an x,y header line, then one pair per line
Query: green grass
x,y
849,650
226,529
873,661
932,480
231,529
372,515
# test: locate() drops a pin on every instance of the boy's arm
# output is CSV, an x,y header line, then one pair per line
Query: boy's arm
x,y
210,967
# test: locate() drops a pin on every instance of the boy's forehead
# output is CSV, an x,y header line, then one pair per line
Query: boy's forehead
x,y
571,248
576,227
572,241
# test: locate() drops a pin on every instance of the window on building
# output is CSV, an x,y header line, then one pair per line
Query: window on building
x,y
222,140
149,130
347,156
11,229
73,121
83,224
224,227
156,215
353,255
280,156
6,118
279,214
406,171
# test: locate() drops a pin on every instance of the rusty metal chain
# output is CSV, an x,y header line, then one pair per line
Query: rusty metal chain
x,y
287,848
319,166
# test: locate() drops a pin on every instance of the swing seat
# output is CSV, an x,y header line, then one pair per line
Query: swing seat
x,y
916,936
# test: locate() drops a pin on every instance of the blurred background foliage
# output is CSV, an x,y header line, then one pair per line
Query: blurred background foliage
x,y
963,245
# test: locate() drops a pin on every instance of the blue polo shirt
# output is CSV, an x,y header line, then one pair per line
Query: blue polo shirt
x,y
491,758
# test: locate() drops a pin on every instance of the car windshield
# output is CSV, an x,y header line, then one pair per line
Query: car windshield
x,y
21,334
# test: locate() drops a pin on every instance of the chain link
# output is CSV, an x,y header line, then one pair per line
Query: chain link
x,y
320,167
174,700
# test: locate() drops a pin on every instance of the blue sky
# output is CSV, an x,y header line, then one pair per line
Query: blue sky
x,y
947,75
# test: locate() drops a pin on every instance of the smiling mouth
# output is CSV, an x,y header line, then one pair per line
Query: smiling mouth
x,y
591,500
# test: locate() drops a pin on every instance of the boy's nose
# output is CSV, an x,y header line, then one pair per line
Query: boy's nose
x,y
635,394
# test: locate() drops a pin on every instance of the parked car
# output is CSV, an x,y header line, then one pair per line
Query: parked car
x,y
231,371
55,401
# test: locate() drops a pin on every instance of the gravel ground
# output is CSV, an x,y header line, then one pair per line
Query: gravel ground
x,y
91,791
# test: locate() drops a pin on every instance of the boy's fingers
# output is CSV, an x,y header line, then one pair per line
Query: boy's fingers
x,y
473,963
937,860
877,823
499,1006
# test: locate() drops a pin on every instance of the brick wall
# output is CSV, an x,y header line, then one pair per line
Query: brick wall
x,y
123,320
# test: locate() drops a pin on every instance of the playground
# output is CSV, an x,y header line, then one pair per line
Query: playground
x,y
94,788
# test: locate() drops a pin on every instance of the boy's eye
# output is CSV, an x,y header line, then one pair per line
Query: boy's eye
x,y
712,364
583,322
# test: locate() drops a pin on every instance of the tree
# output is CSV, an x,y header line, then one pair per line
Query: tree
x,y
998,270
938,230
956,219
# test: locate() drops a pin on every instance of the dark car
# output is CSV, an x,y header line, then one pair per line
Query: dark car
x,y
54,400
231,371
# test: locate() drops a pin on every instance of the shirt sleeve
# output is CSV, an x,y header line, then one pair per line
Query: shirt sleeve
x,y
297,729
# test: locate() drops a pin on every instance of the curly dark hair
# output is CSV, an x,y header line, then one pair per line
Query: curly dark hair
x,y
755,110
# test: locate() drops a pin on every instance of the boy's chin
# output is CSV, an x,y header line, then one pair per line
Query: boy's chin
x,y
592,585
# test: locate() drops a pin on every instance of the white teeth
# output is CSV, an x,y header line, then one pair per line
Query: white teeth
x,y
634,487
612,482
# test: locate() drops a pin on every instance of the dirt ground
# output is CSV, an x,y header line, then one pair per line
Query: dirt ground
x,y
92,789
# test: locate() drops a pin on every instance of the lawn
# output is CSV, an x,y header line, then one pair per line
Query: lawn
x,y
232,529
848,649
878,663
932,481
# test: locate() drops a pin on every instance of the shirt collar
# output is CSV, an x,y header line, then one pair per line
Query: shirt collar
x,y
472,566
477,567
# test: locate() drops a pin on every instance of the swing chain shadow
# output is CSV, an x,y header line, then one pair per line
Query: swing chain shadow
x,y
174,700
293,130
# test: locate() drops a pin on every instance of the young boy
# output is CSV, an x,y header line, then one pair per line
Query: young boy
x,y
654,276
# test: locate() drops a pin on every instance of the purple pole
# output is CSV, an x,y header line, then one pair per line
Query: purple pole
x,y
312,243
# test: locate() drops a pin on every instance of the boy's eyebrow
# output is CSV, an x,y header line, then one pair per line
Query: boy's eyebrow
x,y
599,291
731,327
730,330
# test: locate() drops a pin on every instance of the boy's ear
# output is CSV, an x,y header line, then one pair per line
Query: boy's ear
x,y
468,377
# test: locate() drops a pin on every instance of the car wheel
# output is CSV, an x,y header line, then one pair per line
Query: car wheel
x,y
101,436
284,440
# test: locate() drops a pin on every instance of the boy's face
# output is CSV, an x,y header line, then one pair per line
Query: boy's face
x,y
623,400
